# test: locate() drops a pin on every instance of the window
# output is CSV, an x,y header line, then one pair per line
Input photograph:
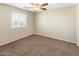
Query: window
x,y
18,20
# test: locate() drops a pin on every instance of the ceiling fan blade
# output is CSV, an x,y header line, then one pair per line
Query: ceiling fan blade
x,y
32,3
35,4
28,7
43,8
45,4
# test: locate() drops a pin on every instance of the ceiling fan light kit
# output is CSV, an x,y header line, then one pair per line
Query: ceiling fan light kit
x,y
40,6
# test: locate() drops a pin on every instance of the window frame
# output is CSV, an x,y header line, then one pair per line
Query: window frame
x,y
18,19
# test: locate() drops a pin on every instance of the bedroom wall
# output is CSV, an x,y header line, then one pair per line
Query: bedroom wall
x,y
77,24
57,23
7,34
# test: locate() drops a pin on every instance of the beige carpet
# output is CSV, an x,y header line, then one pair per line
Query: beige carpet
x,y
36,45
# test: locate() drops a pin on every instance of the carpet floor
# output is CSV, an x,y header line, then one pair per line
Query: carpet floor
x,y
36,45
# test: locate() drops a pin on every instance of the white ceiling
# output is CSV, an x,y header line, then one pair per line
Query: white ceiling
x,y
59,5
50,5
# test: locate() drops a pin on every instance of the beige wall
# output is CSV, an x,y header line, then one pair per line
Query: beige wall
x,y
7,34
58,23
77,23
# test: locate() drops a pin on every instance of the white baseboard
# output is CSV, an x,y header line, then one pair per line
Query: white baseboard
x,y
42,34
14,40
37,34
77,44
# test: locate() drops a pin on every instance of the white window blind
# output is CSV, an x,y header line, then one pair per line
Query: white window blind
x,y
18,20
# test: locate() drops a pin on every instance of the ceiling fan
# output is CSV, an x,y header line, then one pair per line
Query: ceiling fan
x,y
39,6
